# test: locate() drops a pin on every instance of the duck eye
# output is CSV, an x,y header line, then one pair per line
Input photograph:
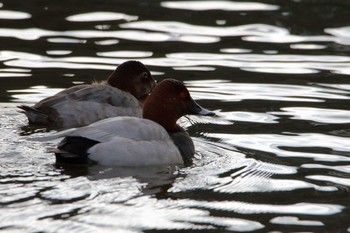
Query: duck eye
x,y
183,95
145,75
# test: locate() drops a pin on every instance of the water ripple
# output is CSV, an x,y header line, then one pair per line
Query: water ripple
x,y
276,156
264,183
12,193
288,220
332,179
225,171
100,16
287,38
36,33
219,5
274,143
147,213
251,208
308,46
342,34
14,15
68,191
184,28
126,54
33,94
293,64
330,116
227,91
251,117
340,168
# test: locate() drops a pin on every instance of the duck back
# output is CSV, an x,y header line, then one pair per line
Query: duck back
x,y
123,141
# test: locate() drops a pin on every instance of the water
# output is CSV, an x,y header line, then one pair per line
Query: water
x,y
275,159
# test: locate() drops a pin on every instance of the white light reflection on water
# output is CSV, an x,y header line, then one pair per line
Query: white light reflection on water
x,y
261,57
338,86
107,42
36,33
100,16
8,72
341,35
15,70
330,116
332,179
77,203
149,213
193,68
288,220
227,91
219,31
58,52
28,60
308,46
235,50
287,38
46,63
228,187
264,63
195,39
251,117
14,15
291,64
71,189
9,55
277,70
340,168
82,202
66,40
219,5
126,54
4,74
254,183
267,63
34,94
246,175
272,143
26,34
251,208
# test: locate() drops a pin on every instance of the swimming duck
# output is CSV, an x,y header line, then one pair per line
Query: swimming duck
x,y
121,95
155,139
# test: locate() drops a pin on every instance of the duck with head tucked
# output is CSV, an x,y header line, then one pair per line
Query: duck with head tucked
x,y
155,139
121,95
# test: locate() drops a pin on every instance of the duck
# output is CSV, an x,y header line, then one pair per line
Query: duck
x,y
154,139
122,94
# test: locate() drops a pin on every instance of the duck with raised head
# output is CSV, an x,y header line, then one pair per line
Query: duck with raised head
x,y
122,94
155,139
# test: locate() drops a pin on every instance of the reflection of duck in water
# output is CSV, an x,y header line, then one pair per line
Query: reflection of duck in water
x,y
129,141
150,180
121,95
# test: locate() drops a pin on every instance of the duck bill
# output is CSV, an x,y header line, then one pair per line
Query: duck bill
x,y
196,109
143,97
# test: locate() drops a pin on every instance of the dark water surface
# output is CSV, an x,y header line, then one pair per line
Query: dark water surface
x,y
275,159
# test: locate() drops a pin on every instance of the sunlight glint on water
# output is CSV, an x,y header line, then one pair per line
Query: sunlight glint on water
x,y
275,158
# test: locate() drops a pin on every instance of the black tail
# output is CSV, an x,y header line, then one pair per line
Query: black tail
x,y
74,150
27,108
34,115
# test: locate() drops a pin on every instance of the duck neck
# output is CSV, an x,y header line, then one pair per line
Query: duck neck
x,y
161,113
164,118
114,81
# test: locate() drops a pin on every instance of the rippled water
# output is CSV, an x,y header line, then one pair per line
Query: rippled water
x,y
275,159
